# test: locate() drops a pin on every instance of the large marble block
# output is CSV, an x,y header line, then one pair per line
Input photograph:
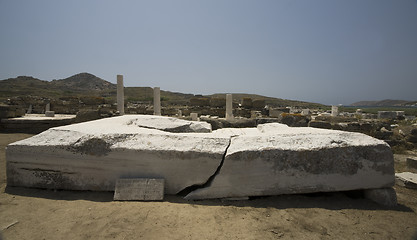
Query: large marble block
x,y
268,160
93,155
284,160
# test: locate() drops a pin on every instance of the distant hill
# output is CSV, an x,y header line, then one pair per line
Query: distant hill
x,y
77,85
385,103
274,102
86,84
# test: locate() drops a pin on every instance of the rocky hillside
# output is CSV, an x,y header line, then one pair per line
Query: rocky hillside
x,y
84,82
77,85
88,85
385,103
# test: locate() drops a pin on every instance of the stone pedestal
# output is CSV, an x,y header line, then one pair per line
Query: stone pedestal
x,y
229,107
120,95
194,116
335,111
157,101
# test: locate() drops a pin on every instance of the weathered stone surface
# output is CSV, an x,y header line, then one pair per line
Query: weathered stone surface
x,y
157,101
406,179
93,155
284,160
120,95
168,124
194,116
383,196
227,163
229,107
145,189
34,123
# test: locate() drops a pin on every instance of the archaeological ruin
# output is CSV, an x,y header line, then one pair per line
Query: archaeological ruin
x,y
214,148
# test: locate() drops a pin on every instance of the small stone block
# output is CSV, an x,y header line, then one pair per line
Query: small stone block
x,y
145,189
412,163
49,114
383,196
194,116
406,179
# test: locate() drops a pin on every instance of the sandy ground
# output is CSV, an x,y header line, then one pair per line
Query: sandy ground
x,y
46,214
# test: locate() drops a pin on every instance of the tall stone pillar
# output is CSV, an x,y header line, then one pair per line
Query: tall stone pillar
x,y
157,101
335,111
120,95
229,107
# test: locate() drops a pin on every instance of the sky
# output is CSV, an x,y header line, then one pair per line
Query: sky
x,y
323,51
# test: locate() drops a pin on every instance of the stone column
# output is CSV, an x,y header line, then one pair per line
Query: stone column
x,y
157,101
120,95
48,107
335,111
229,107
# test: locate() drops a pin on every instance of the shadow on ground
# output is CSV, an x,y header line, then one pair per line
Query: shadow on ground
x,y
328,200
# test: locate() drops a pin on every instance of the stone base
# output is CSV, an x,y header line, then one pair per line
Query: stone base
x,y
406,179
49,114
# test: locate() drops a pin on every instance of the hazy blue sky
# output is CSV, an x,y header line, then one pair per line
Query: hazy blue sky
x,y
325,51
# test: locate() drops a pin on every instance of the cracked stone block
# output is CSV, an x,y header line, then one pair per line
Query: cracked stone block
x,y
383,196
285,160
406,179
227,163
145,189
93,155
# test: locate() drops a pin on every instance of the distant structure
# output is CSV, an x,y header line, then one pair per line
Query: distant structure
x,y
335,111
157,101
120,95
229,107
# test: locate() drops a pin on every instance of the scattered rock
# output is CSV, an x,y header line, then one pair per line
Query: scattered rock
x,y
406,179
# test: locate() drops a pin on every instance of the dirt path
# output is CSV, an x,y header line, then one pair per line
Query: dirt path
x,y
45,214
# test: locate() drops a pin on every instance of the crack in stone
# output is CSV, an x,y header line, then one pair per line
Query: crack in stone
x,y
209,181
180,129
